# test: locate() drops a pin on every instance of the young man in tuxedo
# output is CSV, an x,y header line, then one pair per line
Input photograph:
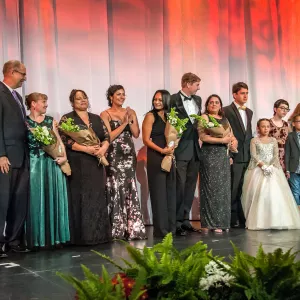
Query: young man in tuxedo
x,y
188,151
240,118
14,172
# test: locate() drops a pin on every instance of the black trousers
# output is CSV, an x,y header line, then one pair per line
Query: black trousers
x,y
14,192
237,178
186,180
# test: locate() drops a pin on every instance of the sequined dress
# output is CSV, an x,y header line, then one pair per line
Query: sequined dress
x,y
267,200
215,186
122,196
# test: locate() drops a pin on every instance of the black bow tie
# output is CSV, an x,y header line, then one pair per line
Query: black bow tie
x,y
185,98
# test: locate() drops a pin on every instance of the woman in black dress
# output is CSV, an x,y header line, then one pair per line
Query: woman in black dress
x,y
122,196
215,186
162,185
89,223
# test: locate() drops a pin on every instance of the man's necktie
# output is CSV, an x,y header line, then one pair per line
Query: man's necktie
x,y
243,107
185,98
18,101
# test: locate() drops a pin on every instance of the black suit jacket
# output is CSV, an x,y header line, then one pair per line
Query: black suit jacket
x,y
12,128
242,134
188,145
292,152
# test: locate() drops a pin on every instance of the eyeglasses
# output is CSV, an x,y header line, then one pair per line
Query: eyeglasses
x,y
284,108
23,74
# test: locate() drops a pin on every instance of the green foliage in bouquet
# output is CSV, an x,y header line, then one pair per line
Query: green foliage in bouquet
x,y
177,123
69,126
212,121
43,135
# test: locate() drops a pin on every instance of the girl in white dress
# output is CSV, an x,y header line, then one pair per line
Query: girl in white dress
x,y
267,199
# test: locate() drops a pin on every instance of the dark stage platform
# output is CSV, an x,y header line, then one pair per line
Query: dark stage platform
x,y
32,276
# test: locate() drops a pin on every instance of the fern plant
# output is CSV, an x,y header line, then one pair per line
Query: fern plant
x,y
106,288
268,276
170,274
165,273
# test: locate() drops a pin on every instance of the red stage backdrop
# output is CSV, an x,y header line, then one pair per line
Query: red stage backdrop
x,y
147,45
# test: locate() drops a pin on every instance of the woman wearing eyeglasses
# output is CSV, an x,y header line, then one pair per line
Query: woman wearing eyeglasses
x,y
279,129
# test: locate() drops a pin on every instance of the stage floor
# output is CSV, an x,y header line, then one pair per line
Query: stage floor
x,y
32,275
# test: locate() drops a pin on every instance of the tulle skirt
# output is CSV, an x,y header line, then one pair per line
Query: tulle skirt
x,y
268,202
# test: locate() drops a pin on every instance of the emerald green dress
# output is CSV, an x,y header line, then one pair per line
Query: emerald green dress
x,y
48,221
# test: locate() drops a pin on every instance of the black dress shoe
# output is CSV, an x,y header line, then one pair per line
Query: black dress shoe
x,y
2,254
18,249
235,224
180,231
190,228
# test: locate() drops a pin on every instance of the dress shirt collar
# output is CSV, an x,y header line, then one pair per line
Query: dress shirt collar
x,y
10,89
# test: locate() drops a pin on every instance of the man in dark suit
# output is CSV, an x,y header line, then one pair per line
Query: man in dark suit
x,y
14,172
240,118
188,151
292,159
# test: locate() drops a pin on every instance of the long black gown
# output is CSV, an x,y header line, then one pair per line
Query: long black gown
x,y
162,185
215,194
88,214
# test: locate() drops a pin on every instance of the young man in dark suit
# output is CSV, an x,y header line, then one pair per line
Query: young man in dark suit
x,y
292,159
240,118
188,151
14,173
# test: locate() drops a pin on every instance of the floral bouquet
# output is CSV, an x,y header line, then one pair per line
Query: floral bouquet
x,y
173,132
214,129
84,136
51,145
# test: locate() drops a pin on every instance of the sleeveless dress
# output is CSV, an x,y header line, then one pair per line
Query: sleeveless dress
x,y
121,190
268,202
48,220
162,185
215,185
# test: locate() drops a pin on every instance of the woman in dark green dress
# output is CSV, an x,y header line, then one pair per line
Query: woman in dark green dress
x,y
48,221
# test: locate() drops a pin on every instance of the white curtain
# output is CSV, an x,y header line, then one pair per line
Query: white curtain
x,y
148,45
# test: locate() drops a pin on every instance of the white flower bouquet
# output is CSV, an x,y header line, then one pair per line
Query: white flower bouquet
x,y
50,145
215,129
85,136
173,132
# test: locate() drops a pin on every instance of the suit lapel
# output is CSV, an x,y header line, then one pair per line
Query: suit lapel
x,y
248,114
12,101
239,117
296,139
180,106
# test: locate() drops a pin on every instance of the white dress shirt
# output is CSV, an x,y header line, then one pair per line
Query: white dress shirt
x,y
190,106
242,113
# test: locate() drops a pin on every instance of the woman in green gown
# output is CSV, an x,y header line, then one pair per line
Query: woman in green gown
x,y
48,222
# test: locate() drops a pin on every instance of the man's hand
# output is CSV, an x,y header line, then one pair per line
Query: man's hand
x,y
4,164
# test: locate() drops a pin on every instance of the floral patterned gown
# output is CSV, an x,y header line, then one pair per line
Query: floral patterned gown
x,y
280,133
48,221
122,195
